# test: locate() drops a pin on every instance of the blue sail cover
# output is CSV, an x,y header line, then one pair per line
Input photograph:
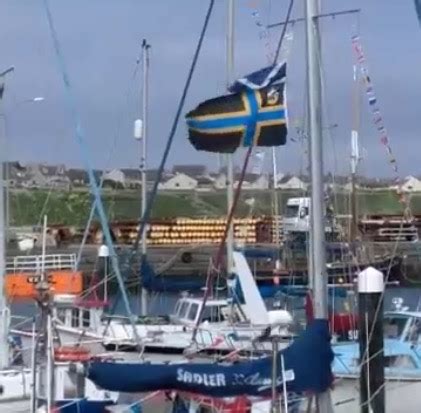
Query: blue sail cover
x,y
307,369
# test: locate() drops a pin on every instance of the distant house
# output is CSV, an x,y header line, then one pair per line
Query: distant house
x,y
15,173
114,178
36,176
205,183
78,177
279,178
411,184
56,176
179,181
260,182
220,181
193,171
152,176
292,182
133,178
252,181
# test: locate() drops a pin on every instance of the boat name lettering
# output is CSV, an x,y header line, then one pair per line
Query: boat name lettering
x,y
209,380
263,382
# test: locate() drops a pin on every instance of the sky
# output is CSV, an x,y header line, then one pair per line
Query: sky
x,y
101,41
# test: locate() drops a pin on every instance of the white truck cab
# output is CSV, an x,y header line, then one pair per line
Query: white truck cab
x,y
297,216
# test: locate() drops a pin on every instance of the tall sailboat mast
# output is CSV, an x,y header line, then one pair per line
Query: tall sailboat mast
x,y
316,164
145,104
230,165
4,310
355,157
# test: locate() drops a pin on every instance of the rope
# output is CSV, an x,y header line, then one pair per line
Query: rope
x,y
146,215
120,121
220,251
264,33
284,30
153,193
80,138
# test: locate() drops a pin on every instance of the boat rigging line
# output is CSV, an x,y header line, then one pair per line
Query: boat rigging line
x,y
80,138
139,59
148,210
215,268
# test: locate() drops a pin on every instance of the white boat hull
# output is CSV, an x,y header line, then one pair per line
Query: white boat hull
x,y
68,337
176,339
17,406
15,385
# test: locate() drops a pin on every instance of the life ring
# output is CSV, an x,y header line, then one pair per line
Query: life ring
x,y
71,354
186,257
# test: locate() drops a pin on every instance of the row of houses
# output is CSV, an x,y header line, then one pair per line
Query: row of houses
x,y
180,178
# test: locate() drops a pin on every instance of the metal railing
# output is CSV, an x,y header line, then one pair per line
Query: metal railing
x,y
35,263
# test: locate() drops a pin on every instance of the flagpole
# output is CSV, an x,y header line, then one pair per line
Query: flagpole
x,y
230,165
316,165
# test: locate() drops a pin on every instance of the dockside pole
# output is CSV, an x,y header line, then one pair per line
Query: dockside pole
x,y
370,320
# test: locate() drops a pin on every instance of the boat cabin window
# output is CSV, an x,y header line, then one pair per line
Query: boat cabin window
x,y
414,331
291,211
86,318
400,361
193,311
61,315
213,314
183,309
177,307
75,317
394,326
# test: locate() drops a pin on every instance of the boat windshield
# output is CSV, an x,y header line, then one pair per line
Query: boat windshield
x,y
414,331
182,313
213,314
291,211
394,326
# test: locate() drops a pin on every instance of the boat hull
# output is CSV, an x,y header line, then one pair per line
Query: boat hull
x,y
15,385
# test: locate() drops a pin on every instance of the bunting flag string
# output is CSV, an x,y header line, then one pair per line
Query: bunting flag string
x,y
264,35
378,119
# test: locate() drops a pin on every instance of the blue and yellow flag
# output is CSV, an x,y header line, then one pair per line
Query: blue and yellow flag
x,y
253,115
